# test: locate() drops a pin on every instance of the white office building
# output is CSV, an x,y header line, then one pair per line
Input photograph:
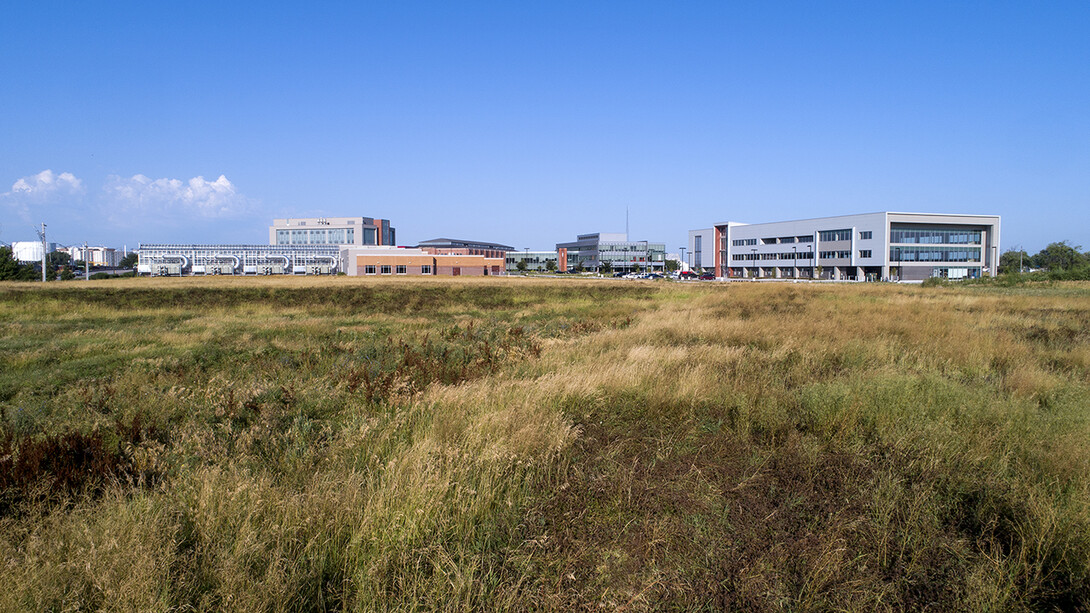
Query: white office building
x,y
869,246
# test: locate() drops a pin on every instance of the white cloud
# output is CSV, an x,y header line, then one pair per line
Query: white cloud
x,y
46,183
43,189
171,197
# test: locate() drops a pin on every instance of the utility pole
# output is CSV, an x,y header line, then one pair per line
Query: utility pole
x,y
41,235
86,263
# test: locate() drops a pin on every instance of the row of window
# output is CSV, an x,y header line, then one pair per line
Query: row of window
x,y
835,235
332,236
400,269
834,255
791,255
740,242
931,254
935,236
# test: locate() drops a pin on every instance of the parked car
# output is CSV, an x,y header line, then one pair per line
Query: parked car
x,y
688,274
707,277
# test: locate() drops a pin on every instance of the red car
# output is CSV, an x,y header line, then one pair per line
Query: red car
x,y
707,277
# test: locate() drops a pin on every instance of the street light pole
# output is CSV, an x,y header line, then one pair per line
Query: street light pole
x,y
682,256
753,268
795,263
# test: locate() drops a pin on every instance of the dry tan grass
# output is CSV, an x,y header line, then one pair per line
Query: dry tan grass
x,y
752,446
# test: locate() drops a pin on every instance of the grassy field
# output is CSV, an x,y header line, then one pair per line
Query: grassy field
x,y
515,444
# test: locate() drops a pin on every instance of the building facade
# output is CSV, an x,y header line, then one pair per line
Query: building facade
x,y
177,260
332,231
613,250
870,246
366,261
536,261
701,256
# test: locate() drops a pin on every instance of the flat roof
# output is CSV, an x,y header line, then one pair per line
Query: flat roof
x,y
741,223
457,242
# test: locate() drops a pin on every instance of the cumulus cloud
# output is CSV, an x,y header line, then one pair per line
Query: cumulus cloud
x,y
44,188
171,197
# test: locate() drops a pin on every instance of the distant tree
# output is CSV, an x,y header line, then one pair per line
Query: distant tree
x,y
579,266
67,274
550,265
672,265
129,261
1059,256
605,267
1011,260
58,258
521,266
10,268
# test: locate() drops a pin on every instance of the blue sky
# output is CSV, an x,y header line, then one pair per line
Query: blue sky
x,y
528,123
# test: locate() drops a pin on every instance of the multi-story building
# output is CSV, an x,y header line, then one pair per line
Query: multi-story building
x,y
95,256
332,231
593,251
869,246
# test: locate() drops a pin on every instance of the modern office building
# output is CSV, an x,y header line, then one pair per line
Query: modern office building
x,y
594,251
536,261
365,261
869,246
332,231
175,260
455,246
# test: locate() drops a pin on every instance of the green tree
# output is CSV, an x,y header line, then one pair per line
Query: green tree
x,y
605,267
1011,260
10,268
1059,256
129,261
58,258
579,266
550,265
672,265
521,266
67,274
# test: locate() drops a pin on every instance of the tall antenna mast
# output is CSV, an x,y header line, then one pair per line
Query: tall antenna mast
x,y
626,223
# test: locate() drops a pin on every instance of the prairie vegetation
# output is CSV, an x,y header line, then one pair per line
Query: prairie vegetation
x,y
514,444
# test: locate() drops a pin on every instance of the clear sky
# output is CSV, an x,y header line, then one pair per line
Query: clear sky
x,y
527,123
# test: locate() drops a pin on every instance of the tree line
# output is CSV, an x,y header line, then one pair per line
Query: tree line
x,y
58,265
1057,260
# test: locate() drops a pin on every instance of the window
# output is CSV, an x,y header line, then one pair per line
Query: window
x,y
744,241
385,270
864,253
317,237
425,269
806,239
835,235
865,235
368,270
369,236
400,269
787,239
351,237
283,237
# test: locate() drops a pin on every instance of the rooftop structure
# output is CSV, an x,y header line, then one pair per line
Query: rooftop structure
x,y
454,246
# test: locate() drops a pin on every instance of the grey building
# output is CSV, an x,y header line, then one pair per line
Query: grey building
x,y
536,261
869,246
357,231
593,251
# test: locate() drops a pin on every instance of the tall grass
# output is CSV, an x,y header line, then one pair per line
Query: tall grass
x,y
513,444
